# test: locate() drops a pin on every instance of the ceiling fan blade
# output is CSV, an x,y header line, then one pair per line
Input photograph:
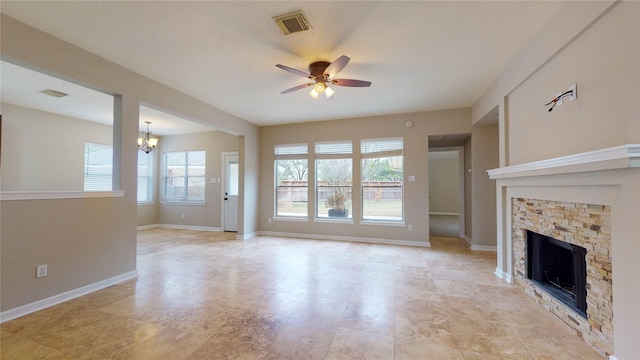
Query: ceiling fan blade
x,y
293,71
336,66
297,88
351,83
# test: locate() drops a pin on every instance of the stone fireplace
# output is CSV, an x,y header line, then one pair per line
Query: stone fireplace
x,y
588,201
585,226
559,268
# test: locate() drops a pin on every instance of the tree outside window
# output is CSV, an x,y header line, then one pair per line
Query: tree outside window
x,y
291,170
382,179
334,181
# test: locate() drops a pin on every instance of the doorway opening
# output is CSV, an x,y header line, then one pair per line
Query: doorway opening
x,y
446,192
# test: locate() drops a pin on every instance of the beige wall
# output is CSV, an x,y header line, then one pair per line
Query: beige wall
x,y
32,140
468,190
597,46
94,239
484,147
597,61
209,214
416,150
444,181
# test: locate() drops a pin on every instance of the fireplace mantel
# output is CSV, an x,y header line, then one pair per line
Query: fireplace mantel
x,y
613,158
608,177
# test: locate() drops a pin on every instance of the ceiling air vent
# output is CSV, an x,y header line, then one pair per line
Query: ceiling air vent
x,y
292,22
54,93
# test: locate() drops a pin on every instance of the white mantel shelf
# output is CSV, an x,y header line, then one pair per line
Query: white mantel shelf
x,y
613,158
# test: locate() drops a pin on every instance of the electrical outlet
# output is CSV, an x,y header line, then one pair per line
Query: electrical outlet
x,y
183,215
410,227
41,271
269,220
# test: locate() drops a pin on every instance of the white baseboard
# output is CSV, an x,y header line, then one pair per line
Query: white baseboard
x,y
468,240
508,278
146,227
479,247
504,276
347,238
180,227
246,236
66,296
484,248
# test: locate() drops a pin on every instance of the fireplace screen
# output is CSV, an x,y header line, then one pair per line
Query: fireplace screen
x,y
559,268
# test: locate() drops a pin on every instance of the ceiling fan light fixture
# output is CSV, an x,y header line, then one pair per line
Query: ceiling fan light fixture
x,y
319,87
329,92
314,94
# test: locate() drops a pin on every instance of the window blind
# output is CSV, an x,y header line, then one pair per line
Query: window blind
x,y
98,167
333,148
282,151
381,147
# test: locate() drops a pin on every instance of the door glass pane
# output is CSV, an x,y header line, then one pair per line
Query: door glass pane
x,y
232,178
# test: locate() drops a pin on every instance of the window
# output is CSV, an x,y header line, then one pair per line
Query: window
x,y
382,179
291,170
145,177
334,179
184,176
98,167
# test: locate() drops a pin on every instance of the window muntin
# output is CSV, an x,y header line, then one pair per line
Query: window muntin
x,y
382,179
98,167
334,180
291,179
184,176
145,177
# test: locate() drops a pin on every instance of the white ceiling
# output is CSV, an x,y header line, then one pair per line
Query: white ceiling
x,y
419,55
21,86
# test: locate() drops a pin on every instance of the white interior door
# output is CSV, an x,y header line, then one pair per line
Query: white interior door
x,y
230,192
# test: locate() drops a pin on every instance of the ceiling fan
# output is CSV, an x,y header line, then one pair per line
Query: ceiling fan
x,y
322,74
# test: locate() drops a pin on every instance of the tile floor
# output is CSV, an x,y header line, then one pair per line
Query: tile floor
x,y
203,295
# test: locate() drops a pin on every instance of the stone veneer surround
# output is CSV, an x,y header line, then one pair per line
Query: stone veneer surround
x,y
586,225
609,177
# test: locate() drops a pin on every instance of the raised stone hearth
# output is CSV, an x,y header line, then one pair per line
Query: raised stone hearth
x,y
585,225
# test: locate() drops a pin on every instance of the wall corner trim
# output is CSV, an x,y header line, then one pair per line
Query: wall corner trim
x,y
66,296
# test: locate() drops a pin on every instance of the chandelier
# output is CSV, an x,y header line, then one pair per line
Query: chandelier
x,y
146,143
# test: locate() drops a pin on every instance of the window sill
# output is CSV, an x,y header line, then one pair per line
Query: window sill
x,y
146,203
334,220
51,195
383,223
183,203
298,219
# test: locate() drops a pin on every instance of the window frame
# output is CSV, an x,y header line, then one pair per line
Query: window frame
x,y
148,177
384,150
333,150
286,152
185,199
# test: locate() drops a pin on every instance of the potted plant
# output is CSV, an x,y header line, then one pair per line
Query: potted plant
x,y
335,202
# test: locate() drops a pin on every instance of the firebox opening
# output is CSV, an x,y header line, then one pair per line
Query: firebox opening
x,y
559,268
